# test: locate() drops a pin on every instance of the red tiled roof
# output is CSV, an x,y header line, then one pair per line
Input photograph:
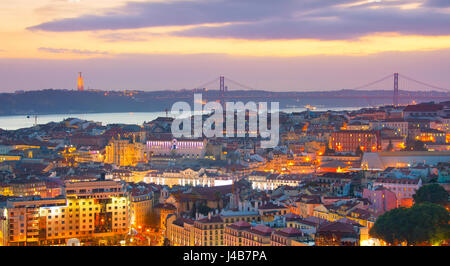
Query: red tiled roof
x,y
261,230
337,227
213,219
289,232
397,180
240,225
423,108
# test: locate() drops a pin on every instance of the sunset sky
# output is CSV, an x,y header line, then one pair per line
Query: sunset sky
x,y
266,44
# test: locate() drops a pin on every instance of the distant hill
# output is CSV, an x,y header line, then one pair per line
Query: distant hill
x,y
70,101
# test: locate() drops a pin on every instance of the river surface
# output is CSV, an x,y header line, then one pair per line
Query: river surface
x,y
138,118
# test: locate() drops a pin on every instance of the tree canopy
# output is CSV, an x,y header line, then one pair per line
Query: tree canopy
x,y
425,223
415,145
433,193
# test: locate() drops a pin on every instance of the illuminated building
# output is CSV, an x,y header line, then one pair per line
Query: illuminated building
x,y
123,152
382,160
357,125
286,237
52,221
141,203
24,220
304,205
9,158
268,211
34,187
337,234
288,163
90,210
353,211
184,232
424,110
187,148
268,181
180,231
209,231
244,234
429,135
381,199
97,189
80,83
403,188
6,148
133,175
350,140
233,233
258,235
5,190
71,154
243,213
4,228
399,125
173,177
307,225
370,115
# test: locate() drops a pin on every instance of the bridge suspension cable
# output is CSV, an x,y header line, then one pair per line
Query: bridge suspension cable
x,y
204,85
423,83
373,82
240,84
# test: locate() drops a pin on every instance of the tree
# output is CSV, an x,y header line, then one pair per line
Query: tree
x,y
329,151
166,242
415,145
390,147
433,193
218,197
359,152
425,223
388,228
429,223
203,209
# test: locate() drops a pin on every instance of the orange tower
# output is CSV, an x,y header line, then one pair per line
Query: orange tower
x,y
80,83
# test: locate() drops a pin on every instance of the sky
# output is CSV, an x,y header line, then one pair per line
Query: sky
x,y
282,45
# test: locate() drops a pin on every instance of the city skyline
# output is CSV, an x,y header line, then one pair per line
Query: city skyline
x,y
294,45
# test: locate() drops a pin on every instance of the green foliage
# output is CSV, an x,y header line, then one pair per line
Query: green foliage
x,y
359,152
415,145
166,242
433,193
203,209
425,223
390,147
329,151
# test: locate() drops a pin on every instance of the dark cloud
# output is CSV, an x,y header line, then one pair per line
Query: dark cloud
x,y
70,51
334,25
151,14
438,3
128,37
267,19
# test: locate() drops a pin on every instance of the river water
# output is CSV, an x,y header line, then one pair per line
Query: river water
x,y
138,118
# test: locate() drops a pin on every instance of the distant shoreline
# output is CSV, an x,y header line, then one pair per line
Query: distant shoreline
x,y
65,102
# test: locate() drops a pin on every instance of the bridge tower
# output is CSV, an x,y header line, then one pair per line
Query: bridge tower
x,y
222,89
395,89
222,84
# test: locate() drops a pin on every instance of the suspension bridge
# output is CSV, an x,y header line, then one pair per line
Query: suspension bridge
x,y
400,85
